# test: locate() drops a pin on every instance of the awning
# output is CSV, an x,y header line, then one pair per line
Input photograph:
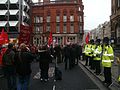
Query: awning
x,y
3,12
3,1
13,12
3,23
13,23
13,1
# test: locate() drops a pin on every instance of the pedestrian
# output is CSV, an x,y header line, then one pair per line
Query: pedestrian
x,y
107,59
67,50
23,59
9,67
97,57
44,60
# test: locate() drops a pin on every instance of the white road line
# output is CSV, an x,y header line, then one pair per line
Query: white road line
x,y
53,87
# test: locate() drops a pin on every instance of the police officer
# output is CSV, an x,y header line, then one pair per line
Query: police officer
x,y
86,53
107,59
92,47
97,57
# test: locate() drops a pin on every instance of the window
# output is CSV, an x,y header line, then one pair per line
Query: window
x,y
80,28
48,27
118,31
57,18
57,27
118,3
64,28
41,19
48,18
34,19
80,18
37,29
79,9
71,18
41,29
37,19
64,18
71,28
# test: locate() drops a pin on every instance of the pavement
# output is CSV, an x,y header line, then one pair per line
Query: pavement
x,y
115,85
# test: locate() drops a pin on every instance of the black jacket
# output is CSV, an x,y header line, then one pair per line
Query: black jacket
x,y
23,62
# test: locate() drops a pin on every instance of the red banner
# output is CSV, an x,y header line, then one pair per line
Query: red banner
x,y
25,33
3,37
50,39
87,38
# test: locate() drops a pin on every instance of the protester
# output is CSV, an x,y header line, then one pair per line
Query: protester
x,y
44,60
23,60
9,67
67,56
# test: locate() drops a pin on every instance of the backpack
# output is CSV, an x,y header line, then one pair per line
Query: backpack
x,y
6,59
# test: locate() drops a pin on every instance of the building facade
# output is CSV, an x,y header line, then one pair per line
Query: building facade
x,y
115,21
64,18
12,14
103,30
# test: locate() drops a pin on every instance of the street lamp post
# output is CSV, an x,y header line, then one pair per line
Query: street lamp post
x,y
103,28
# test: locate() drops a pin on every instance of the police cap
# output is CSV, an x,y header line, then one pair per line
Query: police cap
x,y
106,39
91,41
98,40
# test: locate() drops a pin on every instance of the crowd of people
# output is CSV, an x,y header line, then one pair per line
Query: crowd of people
x,y
16,61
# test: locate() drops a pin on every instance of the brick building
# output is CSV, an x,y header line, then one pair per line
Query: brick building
x,y
64,18
115,21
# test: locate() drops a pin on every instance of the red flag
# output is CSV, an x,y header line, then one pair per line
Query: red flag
x,y
87,38
3,37
50,39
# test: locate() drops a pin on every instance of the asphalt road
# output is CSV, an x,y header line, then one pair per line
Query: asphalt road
x,y
75,79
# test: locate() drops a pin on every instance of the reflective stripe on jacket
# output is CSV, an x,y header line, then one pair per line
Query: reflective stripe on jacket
x,y
87,49
97,53
108,56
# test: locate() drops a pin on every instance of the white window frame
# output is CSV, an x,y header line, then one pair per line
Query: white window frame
x,y
57,18
71,18
64,18
48,18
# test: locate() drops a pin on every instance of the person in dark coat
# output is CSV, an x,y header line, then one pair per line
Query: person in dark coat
x,y
44,60
67,56
57,54
8,67
23,60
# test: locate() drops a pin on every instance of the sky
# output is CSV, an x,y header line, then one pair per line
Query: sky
x,y
95,12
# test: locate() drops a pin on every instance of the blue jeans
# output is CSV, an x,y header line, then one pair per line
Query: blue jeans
x,y
23,82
